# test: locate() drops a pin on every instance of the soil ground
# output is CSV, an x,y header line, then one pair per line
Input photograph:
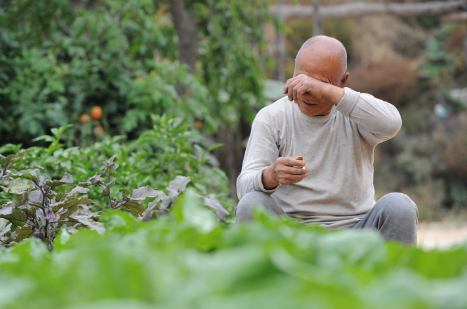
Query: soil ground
x,y
441,235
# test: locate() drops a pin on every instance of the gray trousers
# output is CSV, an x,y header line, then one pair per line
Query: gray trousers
x,y
395,215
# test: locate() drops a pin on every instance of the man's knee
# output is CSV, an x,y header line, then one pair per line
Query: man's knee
x,y
399,206
244,210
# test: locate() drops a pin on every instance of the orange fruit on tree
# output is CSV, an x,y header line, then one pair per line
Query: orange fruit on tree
x,y
198,124
83,118
96,112
98,130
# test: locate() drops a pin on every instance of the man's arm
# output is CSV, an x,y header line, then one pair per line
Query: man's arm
x,y
263,169
376,119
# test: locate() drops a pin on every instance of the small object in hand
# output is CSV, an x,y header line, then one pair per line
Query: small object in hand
x,y
302,167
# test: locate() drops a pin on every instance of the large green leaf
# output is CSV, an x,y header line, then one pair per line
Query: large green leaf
x,y
135,207
70,205
66,179
23,232
16,217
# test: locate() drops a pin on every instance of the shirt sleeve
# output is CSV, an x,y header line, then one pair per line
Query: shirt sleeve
x,y
261,151
377,120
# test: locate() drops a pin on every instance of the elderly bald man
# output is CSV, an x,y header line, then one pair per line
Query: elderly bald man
x,y
310,154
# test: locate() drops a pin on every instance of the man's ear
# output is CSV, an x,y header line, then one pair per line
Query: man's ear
x,y
344,79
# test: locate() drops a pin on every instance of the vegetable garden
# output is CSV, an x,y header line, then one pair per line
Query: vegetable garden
x,y
69,243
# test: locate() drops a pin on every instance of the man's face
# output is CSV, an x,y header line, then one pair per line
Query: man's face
x,y
326,69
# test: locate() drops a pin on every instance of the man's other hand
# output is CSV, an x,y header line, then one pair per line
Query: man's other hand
x,y
285,171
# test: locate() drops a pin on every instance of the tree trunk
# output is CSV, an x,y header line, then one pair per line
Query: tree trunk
x,y
357,9
465,50
231,155
279,73
317,23
187,31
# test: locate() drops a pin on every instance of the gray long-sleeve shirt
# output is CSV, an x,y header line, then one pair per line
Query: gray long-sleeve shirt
x,y
338,150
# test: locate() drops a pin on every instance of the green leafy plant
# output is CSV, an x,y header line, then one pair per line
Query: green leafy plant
x,y
35,205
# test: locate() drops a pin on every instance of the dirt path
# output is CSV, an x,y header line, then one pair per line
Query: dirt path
x,y
441,235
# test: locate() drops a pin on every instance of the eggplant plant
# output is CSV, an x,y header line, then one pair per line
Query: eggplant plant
x,y
42,206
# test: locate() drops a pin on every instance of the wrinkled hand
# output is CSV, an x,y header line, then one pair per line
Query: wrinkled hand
x,y
285,171
297,86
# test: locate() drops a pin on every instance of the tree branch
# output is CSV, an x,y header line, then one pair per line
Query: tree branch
x,y
357,9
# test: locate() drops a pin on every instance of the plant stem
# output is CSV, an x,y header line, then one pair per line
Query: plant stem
x,y
110,187
43,210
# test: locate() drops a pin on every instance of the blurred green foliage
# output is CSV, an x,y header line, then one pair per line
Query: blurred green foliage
x,y
60,58
189,260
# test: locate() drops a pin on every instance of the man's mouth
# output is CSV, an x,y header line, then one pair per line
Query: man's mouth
x,y
308,104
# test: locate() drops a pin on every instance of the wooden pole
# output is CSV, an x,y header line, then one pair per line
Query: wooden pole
x,y
279,52
317,23
465,50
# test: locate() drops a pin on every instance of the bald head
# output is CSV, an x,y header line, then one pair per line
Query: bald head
x,y
322,53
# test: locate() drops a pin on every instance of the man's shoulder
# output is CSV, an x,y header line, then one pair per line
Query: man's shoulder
x,y
275,112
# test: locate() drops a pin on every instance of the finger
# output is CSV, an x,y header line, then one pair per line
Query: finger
x,y
285,89
287,84
295,88
300,91
287,170
291,161
290,179
290,89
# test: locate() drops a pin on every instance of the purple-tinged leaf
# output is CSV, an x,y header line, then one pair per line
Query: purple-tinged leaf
x,y
72,229
7,209
77,190
109,165
5,230
115,167
93,225
18,185
21,200
71,205
43,179
145,192
60,211
95,180
213,203
30,176
106,191
35,197
179,183
147,214
35,165
176,186
66,179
